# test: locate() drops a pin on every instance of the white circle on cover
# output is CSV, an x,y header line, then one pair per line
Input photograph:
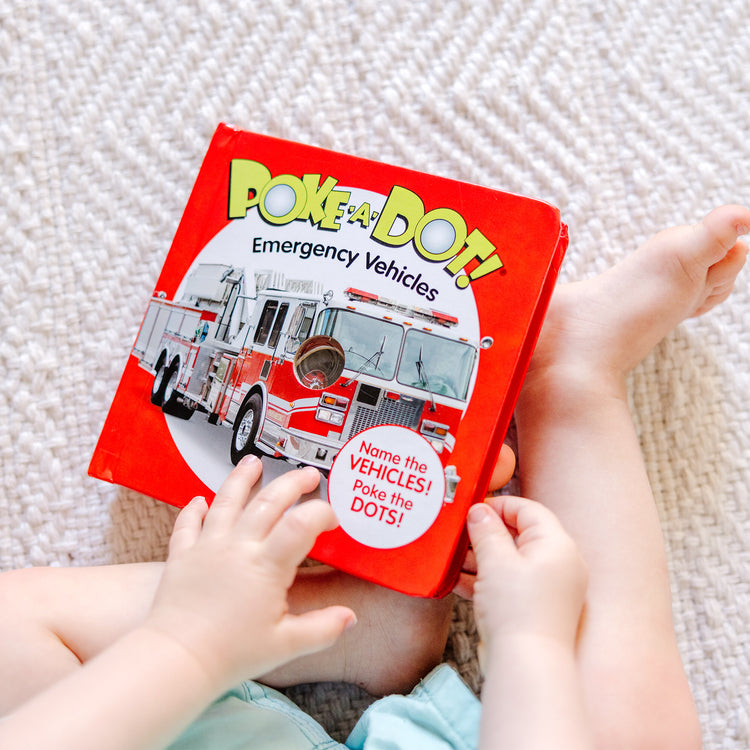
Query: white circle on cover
x,y
437,236
386,486
280,200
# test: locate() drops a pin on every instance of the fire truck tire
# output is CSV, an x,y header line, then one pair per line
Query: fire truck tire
x,y
160,383
246,429
170,403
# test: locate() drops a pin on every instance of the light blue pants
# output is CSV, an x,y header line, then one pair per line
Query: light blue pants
x,y
441,713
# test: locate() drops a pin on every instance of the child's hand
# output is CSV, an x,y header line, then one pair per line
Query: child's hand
x,y
533,585
223,594
501,475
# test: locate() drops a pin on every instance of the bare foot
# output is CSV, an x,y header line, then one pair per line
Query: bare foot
x,y
397,640
609,323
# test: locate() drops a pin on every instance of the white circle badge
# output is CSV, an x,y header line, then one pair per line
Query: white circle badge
x,y
386,486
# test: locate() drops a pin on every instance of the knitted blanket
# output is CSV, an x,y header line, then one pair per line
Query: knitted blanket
x,y
628,116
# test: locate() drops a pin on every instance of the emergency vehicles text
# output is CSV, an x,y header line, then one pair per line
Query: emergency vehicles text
x,y
372,261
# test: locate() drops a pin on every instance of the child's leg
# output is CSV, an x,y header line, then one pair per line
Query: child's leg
x,y
54,619
579,454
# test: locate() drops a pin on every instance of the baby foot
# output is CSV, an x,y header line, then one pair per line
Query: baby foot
x,y
402,639
609,323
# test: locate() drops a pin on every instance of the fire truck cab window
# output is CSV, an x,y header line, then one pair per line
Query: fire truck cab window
x,y
276,328
229,324
299,326
304,330
296,322
266,320
370,345
436,365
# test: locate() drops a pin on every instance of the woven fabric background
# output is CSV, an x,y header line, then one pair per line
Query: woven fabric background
x,y
630,116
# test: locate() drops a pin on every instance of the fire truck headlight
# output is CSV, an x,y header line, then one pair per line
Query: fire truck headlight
x,y
330,416
335,402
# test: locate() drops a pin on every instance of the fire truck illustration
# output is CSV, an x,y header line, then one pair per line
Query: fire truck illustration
x,y
296,371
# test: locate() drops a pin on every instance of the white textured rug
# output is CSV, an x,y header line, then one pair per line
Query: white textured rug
x,y
629,118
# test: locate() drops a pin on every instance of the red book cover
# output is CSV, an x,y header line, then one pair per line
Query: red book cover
x,y
320,309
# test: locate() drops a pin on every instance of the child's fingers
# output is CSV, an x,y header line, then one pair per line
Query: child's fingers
x,y
264,511
187,526
294,535
232,496
315,630
487,532
522,514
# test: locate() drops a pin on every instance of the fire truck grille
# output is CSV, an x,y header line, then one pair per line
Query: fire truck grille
x,y
401,412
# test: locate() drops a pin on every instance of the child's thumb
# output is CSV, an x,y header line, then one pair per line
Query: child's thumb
x,y
489,535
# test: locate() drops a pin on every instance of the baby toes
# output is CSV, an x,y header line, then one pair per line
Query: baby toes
x,y
719,231
722,276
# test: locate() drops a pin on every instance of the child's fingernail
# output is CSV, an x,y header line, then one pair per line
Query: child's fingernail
x,y
350,623
249,460
478,513
199,504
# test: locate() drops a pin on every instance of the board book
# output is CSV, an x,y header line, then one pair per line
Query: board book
x,y
321,309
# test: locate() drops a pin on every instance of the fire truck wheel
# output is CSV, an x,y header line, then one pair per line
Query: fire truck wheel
x,y
246,429
160,383
170,403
